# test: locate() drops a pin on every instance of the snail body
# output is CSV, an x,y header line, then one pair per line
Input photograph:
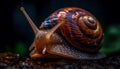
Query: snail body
x,y
70,32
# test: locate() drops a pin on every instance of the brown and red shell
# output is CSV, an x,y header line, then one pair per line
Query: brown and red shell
x,y
83,35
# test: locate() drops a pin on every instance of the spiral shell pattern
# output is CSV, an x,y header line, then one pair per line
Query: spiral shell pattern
x,y
80,28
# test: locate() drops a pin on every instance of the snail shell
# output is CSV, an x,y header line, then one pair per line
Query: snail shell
x,y
77,35
81,29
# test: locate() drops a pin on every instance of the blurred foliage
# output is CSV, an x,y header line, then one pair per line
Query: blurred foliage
x,y
18,48
111,44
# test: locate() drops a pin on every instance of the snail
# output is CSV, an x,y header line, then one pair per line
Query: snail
x,y
71,33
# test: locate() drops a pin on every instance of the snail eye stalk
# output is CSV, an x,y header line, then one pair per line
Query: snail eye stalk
x,y
34,27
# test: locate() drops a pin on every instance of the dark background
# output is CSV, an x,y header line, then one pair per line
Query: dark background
x,y
15,30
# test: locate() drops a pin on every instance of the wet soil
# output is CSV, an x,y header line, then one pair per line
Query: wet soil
x,y
15,61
